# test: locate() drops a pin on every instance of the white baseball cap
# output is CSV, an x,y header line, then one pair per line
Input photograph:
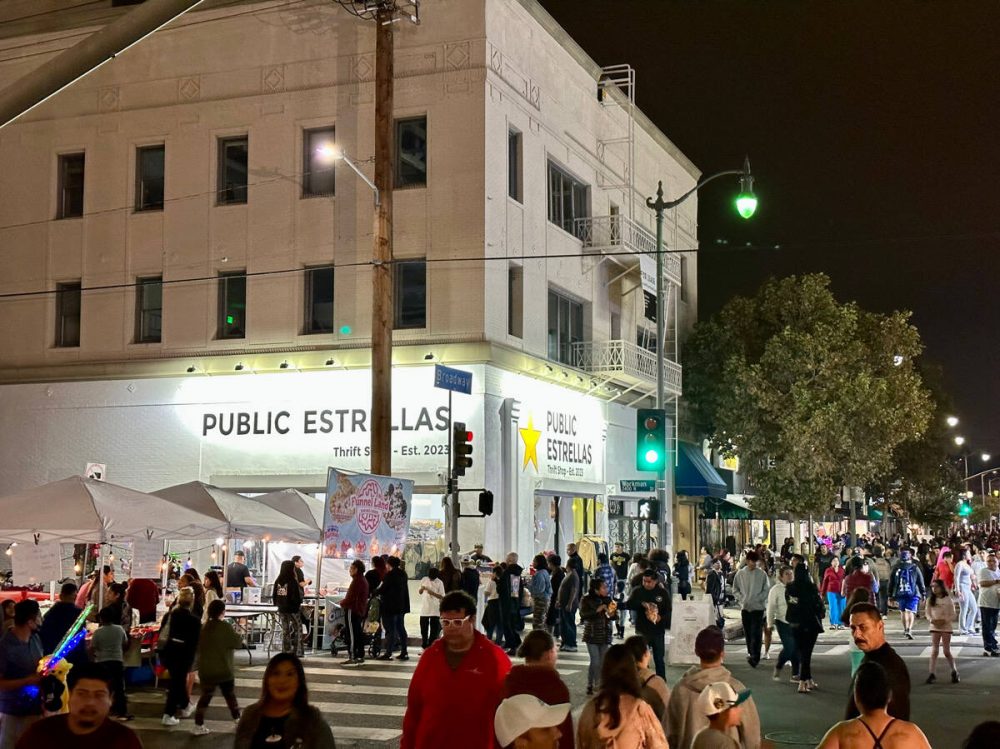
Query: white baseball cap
x,y
522,712
719,696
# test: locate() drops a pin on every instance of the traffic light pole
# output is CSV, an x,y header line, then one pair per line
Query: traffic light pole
x,y
659,206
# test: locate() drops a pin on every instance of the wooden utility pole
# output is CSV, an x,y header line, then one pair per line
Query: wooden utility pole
x,y
382,286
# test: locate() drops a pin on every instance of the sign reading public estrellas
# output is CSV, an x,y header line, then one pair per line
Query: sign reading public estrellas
x,y
562,437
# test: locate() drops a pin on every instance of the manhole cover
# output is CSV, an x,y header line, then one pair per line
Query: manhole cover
x,y
792,737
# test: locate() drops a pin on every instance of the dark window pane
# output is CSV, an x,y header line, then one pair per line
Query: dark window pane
x,y
149,175
68,299
553,326
565,327
232,306
411,152
318,162
71,178
514,165
319,300
149,310
568,200
233,154
410,294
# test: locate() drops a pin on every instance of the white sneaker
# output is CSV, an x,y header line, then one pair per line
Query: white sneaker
x,y
188,711
201,730
169,720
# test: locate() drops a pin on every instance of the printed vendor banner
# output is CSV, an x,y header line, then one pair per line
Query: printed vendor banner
x,y
365,515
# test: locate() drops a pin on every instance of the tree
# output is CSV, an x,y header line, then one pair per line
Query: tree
x,y
812,394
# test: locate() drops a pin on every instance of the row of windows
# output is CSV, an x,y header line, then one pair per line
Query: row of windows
x,y
232,168
409,289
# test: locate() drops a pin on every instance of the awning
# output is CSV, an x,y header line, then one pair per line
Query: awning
x,y
730,507
695,476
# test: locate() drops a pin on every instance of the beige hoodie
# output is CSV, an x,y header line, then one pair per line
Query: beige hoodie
x,y
685,720
638,728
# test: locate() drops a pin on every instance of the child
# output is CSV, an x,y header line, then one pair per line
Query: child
x,y
108,645
215,664
720,703
941,616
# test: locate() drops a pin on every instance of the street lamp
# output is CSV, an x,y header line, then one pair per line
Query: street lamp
x,y
330,154
951,421
746,205
959,440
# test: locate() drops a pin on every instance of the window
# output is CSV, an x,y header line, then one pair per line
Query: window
x,y
71,167
515,301
567,200
68,314
411,152
410,294
684,278
565,327
149,178
148,309
317,161
514,185
319,300
645,338
233,154
232,305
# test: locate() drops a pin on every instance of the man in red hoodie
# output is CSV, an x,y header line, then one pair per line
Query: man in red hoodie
x,y
463,662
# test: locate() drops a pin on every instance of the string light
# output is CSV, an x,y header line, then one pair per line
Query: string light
x,y
219,541
76,568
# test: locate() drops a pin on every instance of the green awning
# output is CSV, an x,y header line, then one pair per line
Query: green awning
x,y
732,507
695,476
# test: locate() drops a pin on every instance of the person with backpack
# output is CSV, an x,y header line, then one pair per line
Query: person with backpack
x,y
907,586
288,598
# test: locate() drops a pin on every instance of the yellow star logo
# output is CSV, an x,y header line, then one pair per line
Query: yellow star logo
x,y
529,436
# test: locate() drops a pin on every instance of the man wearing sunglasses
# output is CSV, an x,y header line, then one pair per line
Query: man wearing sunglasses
x,y
463,662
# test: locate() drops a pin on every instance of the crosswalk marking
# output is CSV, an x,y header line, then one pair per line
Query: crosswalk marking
x,y
325,688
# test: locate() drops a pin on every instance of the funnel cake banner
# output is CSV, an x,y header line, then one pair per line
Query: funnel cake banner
x,y
365,515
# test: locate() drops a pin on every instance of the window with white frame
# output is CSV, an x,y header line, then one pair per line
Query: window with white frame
x,y
565,326
568,200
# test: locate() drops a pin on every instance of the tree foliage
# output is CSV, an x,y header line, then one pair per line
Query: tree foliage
x,y
812,394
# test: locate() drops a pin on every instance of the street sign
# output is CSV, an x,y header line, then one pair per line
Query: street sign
x,y
456,380
638,485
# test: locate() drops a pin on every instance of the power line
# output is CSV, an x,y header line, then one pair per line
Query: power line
x,y
84,4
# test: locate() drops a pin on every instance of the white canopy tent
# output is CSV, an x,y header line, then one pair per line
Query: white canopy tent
x,y
298,506
85,510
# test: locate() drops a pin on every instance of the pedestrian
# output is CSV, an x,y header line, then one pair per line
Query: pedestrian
x,y
456,687
751,585
824,558
805,617
552,617
966,584
715,589
989,604
777,618
59,618
541,592
355,606
238,574
620,561
868,631
659,560
654,689
566,604
874,726
604,571
212,584
651,602
283,716
859,595
395,597
108,644
449,575
684,717
300,576
215,664
20,652
478,556
907,587
944,570
832,587
509,593
191,580
538,677
721,705
597,628
684,573
941,619
492,619
883,572
288,598
526,722
637,567
575,562
617,715
859,576
178,653
87,725
984,736
431,591
470,577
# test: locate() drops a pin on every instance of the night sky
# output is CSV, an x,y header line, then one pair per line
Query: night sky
x,y
874,133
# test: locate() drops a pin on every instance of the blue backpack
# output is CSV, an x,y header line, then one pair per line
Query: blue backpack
x,y
905,587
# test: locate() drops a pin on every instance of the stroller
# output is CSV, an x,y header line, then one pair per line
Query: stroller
x,y
371,629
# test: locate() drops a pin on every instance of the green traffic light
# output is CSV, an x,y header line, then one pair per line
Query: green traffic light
x,y
230,319
652,457
746,204
965,510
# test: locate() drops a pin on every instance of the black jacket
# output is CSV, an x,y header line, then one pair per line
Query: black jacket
x,y
899,683
805,606
288,596
394,593
636,602
183,634
470,581
56,624
596,626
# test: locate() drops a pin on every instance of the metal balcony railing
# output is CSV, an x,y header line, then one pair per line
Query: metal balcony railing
x,y
622,236
627,360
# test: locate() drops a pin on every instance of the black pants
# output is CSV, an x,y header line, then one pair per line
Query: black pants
x,y
177,696
116,672
511,624
805,641
789,652
207,690
753,631
656,644
989,628
354,635
883,597
430,630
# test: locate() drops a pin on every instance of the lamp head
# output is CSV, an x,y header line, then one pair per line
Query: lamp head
x,y
328,153
746,201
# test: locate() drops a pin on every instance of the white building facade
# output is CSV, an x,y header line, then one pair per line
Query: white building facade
x,y
186,287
